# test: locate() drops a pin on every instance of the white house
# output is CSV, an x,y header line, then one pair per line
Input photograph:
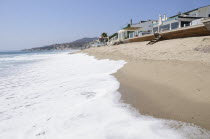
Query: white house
x,y
136,30
189,18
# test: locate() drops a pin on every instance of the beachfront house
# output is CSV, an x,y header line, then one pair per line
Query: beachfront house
x,y
124,33
136,30
145,27
189,18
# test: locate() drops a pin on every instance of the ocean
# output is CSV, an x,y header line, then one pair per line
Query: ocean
x,y
58,95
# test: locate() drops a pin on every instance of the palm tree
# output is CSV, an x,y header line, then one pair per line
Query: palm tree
x,y
104,35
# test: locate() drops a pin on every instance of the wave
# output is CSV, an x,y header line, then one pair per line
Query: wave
x,y
75,97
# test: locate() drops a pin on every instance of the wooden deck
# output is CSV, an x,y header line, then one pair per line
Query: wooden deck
x,y
191,31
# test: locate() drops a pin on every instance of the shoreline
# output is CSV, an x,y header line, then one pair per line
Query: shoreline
x,y
167,80
159,99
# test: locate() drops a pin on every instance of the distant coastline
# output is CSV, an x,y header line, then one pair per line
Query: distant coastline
x,y
78,44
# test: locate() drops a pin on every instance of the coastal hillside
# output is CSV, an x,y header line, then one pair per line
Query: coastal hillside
x,y
78,44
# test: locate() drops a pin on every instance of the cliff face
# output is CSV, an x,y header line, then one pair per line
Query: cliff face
x,y
78,44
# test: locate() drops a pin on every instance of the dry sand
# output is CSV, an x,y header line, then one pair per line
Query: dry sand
x,y
170,79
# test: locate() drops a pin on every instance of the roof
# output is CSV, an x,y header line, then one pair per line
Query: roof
x,y
178,17
136,26
197,9
132,28
190,11
142,22
189,17
129,29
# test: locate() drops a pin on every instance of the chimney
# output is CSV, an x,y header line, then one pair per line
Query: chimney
x,y
131,22
164,17
160,20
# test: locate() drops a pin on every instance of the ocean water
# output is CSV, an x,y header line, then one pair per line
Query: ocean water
x,y
57,95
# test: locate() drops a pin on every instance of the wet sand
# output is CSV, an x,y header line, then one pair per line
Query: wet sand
x,y
170,79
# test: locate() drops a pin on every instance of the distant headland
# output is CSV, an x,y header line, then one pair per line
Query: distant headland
x,y
77,44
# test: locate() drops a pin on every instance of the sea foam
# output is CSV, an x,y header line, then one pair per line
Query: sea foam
x,y
65,96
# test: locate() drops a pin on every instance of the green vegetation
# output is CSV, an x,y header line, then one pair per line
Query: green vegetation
x,y
104,35
113,35
129,25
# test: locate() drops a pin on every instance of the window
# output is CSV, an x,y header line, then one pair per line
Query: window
x,y
209,15
165,27
174,25
131,35
184,23
155,29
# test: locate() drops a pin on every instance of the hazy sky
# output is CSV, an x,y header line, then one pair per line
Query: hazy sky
x,y
35,23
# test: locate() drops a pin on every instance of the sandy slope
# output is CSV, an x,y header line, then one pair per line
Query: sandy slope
x,y
170,79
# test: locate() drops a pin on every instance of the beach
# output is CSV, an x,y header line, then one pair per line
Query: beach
x,y
67,95
169,79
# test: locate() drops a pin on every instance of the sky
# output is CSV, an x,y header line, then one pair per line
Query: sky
x,y
36,23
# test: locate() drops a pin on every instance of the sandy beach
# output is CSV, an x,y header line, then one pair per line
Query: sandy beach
x,y
170,79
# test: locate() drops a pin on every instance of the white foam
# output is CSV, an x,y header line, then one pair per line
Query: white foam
x,y
23,58
75,97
